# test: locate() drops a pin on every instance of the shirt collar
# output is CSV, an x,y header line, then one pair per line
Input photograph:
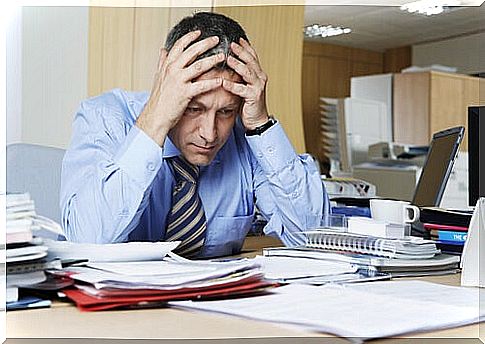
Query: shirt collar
x,y
169,149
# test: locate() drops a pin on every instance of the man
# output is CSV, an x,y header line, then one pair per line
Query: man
x,y
188,161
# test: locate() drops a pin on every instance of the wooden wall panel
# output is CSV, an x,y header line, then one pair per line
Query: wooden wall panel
x,y
310,92
111,49
124,44
330,67
276,34
334,77
397,59
411,101
151,26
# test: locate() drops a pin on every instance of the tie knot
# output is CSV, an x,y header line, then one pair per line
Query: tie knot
x,y
184,171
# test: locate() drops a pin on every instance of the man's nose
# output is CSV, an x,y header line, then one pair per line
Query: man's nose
x,y
208,127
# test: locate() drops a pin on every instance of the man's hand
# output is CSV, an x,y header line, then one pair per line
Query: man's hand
x,y
174,86
254,112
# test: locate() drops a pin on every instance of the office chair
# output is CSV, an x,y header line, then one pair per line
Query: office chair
x,y
36,169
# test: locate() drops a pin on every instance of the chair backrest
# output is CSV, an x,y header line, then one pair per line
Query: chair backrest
x,y
36,169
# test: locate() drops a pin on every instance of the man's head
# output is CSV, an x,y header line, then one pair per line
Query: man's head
x,y
209,118
210,24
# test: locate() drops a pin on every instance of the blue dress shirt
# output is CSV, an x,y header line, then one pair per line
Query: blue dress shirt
x,y
117,185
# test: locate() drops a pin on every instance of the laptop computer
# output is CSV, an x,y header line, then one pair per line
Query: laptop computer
x,y
437,168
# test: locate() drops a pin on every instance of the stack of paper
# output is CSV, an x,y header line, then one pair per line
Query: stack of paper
x,y
101,286
20,211
437,265
315,271
26,256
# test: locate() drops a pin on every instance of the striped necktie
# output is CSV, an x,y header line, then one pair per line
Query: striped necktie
x,y
186,221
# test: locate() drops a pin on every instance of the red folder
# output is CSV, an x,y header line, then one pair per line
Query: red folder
x,y
86,302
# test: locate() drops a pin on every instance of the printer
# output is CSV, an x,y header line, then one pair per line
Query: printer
x,y
394,168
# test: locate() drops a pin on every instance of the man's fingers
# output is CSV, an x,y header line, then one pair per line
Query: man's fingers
x,y
202,86
245,44
243,70
198,48
235,88
203,65
245,56
181,44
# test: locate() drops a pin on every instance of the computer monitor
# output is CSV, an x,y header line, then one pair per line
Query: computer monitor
x,y
476,153
437,167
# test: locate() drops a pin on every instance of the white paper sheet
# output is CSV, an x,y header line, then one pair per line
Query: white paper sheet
x,y
373,310
122,252
283,268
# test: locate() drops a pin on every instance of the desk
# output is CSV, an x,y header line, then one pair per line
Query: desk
x,y
63,320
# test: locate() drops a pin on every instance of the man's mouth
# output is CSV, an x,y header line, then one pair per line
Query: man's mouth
x,y
204,149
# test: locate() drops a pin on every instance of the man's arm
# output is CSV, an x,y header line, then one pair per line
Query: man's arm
x,y
289,191
288,187
106,173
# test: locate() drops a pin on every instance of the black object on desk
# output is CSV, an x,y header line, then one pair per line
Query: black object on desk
x,y
476,153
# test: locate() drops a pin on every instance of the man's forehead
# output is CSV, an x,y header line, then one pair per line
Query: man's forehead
x,y
228,74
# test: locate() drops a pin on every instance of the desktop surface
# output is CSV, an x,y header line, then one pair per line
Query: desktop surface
x,y
64,320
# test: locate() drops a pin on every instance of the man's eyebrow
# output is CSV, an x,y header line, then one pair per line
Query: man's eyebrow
x,y
195,103
230,105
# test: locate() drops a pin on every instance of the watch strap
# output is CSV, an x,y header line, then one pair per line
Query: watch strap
x,y
262,128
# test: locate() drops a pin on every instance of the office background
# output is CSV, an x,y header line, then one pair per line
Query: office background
x,y
57,56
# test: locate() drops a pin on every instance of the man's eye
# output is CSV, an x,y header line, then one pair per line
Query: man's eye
x,y
226,112
193,110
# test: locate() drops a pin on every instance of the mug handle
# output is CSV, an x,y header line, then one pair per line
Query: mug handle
x,y
415,211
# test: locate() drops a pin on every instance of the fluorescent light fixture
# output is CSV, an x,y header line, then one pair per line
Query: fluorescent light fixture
x,y
429,7
325,30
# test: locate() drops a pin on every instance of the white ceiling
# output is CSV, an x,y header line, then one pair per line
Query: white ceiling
x,y
383,27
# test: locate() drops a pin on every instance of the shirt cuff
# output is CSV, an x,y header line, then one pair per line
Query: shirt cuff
x,y
272,149
139,156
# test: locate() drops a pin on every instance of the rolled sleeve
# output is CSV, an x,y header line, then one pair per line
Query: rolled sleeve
x,y
139,156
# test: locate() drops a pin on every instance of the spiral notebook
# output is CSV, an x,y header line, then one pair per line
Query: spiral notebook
x,y
405,248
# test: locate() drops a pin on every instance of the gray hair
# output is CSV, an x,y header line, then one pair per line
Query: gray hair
x,y
210,24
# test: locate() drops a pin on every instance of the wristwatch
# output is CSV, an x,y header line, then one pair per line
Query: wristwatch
x,y
262,128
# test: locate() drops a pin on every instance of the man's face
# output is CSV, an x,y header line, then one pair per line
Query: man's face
x,y
207,122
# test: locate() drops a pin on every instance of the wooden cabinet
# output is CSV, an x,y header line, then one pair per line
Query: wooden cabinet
x,y
427,102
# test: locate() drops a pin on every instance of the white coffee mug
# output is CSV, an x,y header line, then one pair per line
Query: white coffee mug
x,y
393,211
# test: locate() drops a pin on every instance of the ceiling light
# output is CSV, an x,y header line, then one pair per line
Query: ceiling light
x,y
325,30
429,7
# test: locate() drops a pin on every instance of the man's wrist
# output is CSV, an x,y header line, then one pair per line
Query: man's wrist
x,y
258,130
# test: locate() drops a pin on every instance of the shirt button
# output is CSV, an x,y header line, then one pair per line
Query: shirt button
x,y
270,150
151,166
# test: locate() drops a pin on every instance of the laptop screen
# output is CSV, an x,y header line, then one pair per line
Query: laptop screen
x,y
437,168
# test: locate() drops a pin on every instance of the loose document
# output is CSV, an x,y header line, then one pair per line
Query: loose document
x,y
364,311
